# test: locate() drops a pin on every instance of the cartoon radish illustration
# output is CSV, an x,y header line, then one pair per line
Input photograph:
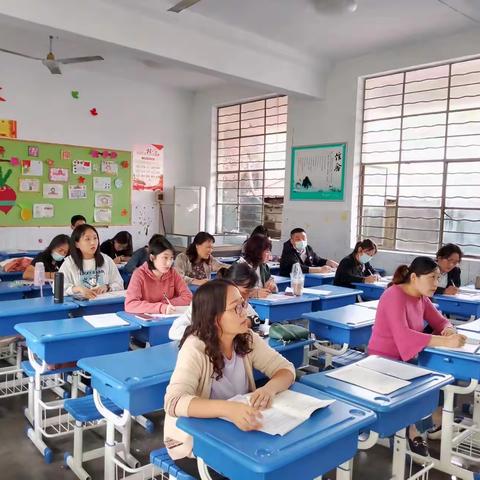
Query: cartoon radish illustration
x,y
7,194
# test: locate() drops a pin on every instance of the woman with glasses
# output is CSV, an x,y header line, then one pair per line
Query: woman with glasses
x,y
448,257
356,268
218,353
244,279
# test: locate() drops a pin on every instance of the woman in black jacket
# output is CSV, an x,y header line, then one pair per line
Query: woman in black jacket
x,y
356,268
448,257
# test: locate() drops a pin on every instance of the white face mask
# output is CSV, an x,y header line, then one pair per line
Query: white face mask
x,y
301,245
364,258
57,257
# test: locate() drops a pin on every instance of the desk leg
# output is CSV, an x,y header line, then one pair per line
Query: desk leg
x,y
113,421
344,471
399,455
34,433
109,464
476,407
203,469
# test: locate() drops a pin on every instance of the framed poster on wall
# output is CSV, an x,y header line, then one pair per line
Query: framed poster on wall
x,y
318,172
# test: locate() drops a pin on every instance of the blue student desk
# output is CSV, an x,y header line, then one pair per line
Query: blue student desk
x,y
324,441
450,304
274,267
99,305
4,254
31,310
315,279
13,291
394,411
291,308
351,325
70,339
337,297
281,282
228,260
470,327
135,381
153,332
371,291
9,276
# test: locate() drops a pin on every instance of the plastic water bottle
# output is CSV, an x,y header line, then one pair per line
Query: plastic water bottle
x,y
39,276
297,279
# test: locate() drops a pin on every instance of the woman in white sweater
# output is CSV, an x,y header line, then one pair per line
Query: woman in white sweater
x,y
87,271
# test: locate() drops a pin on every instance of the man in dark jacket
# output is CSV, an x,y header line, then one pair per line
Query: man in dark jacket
x,y
297,250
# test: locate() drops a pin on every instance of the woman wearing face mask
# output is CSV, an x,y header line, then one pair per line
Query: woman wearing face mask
x,y
52,257
356,268
398,330
155,286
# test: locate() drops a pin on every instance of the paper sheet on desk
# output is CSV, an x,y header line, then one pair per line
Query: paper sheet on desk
x,y
369,379
467,296
105,320
372,304
289,410
311,291
400,370
155,316
467,348
277,297
114,294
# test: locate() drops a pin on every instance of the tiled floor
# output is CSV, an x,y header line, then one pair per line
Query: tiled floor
x,y
20,460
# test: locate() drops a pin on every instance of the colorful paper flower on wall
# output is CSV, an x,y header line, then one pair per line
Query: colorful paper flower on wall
x,y
94,153
93,112
81,179
124,212
124,164
74,94
14,161
50,162
2,151
7,194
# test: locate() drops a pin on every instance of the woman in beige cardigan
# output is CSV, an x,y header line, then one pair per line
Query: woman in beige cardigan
x,y
217,356
196,264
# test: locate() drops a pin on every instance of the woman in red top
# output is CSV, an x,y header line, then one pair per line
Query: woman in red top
x,y
156,287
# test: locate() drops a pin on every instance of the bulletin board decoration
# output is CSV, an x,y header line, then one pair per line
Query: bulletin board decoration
x,y
318,172
45,184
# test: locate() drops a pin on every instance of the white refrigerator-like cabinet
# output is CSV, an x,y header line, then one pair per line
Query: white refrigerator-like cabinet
x,y
189,210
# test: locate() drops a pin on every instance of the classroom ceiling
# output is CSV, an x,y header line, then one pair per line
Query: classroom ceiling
x,y
32,39
286,45
375,25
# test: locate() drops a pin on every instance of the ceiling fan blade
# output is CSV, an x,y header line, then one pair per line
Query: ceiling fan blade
x,y
52,65
182,5
19,54
65,61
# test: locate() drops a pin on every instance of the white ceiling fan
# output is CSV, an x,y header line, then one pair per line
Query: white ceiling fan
x,y
182,5
52,63
322,6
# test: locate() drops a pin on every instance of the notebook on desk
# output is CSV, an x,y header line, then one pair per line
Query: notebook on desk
x,y
288,411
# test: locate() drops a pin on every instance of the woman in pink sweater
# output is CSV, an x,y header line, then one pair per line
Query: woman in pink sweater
x,y
155,287
399,323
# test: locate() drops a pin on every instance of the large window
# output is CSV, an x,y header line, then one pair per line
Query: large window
x,y
251,149
420,159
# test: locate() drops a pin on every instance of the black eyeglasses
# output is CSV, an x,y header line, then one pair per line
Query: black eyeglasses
x,y
239,308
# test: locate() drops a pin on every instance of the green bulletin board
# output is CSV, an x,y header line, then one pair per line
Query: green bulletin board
x,y
44,184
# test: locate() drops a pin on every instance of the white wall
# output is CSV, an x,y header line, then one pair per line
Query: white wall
x,y
334,120
130,112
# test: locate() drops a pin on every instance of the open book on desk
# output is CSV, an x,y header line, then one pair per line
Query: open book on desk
x,y
179,310
288,411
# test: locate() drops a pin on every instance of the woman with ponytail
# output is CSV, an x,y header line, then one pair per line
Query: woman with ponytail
x,y
356,268
399,323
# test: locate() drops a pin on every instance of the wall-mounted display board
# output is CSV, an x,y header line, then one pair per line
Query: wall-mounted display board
x,y
44,184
